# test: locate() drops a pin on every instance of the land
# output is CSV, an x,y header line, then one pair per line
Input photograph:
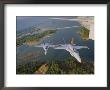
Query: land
x,y
88,23
84,33
68,66
34,38
43,69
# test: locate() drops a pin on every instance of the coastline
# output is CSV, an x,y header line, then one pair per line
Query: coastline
x,y
34,39
88,22
31,43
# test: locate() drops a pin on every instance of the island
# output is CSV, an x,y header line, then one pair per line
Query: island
x,y
34,38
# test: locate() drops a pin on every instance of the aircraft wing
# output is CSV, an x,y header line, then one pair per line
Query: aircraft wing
x,y
53,46
75,54
38,46
80,47
59,47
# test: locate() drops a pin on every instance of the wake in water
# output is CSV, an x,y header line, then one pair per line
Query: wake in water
x,y
65,19
67,27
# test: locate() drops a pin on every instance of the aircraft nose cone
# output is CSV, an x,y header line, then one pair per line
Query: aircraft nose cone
x,y
76,56
79,60
45,53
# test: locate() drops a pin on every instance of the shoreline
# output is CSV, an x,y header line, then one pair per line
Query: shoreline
x,y
31,43
34,39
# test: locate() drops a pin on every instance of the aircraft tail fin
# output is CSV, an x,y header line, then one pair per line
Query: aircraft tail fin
x,y
72,41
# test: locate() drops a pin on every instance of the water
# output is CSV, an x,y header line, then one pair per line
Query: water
x,y
29,53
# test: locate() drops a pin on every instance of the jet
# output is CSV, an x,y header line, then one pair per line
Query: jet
x,y
72,49
45,46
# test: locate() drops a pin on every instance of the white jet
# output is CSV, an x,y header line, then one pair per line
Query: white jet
x,y
72,49
45,46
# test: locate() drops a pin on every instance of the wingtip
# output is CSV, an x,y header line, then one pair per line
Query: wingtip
x,y
86,47
80,61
